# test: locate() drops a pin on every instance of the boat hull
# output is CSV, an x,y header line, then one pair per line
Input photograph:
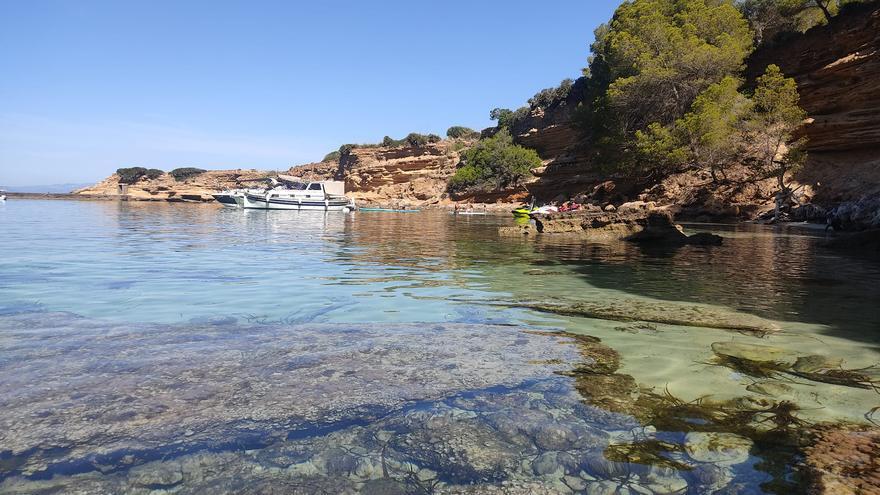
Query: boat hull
x,y
227,200
255,202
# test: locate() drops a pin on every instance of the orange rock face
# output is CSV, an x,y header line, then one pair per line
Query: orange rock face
x,y
166,188
837,68
409,175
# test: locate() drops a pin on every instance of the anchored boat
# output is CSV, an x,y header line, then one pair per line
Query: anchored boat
x,y
290,193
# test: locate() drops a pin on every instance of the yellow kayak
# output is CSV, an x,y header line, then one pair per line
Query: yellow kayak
x,y
522,212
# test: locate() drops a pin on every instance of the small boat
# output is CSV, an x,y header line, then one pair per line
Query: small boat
x,y
289,193
305,196
2,195
388,210
233,198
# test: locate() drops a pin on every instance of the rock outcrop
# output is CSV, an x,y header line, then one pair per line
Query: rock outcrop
x,y
635,222
166,188
408,175
412,176
837,68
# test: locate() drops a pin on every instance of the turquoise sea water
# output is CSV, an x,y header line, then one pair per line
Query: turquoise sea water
x,y
99,288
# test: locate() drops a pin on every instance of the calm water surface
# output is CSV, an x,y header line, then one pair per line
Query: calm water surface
x,y
189,348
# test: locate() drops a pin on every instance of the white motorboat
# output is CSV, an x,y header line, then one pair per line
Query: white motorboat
x,y
290,193
2,195
310,196
234,198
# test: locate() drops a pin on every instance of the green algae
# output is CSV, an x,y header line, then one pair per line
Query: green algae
x,y
651,452
770,362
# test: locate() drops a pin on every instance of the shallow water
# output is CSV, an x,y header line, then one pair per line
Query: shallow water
x,y
191,348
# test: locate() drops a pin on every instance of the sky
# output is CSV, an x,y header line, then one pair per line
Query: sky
x,y
89,86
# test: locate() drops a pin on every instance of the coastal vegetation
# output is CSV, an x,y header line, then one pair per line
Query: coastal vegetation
x,y
773,19
184,173
493,164
665,91
413,139
460,132
131,175
333,156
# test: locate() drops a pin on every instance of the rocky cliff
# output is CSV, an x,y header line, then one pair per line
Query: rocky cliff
x,y
388,176
407,175
166,188
837,68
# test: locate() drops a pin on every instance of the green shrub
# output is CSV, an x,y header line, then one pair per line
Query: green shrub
x,y
433,138
333,156
494,164
507,118
154,173
461,132
648,66
415,139
130,175
184,173
549,96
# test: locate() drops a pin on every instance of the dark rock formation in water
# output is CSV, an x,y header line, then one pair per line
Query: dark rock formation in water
x,y
636,222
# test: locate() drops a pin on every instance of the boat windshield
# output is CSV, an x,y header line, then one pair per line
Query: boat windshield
x,y
295,186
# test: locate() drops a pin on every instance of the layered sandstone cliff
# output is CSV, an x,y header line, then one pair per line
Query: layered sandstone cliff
x,y
408,175
403,176
167,188
837,68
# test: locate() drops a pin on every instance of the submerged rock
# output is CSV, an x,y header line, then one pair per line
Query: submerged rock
x,y
771,388
75,389
755,352
844,461
723,449
770,362
670,313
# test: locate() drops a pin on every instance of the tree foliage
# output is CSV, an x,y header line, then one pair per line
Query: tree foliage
x,y
153,173
461,132
706,137
774,117
649,65
494,164
549,96
769,18
184,173
130,175
508,118
333,156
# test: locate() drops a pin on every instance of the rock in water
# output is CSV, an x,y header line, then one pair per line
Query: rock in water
x,y
755,353
630,223
717,448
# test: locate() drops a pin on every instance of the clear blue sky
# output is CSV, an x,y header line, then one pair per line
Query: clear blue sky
x,y
90,86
